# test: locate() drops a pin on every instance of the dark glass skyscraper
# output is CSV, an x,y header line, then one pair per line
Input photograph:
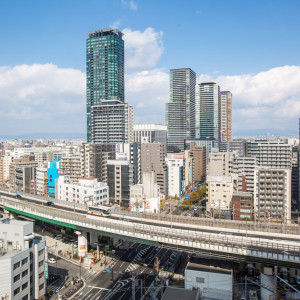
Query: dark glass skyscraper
x,y
180,111
104,69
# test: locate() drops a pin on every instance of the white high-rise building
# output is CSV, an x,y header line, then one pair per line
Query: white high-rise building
x,y
111,122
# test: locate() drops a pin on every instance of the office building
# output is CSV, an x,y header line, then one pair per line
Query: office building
x,y
219,192
207,108
209,144
22,261
218,164
242,206
104,69
131,152
111,122
94,159
87,191
119,180
150,133
225,118
199,155
180,111
153,159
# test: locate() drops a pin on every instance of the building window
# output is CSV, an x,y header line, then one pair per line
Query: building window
x,y
200,280
16,278
17,265
16,291
24,273
41,252
24,286
41,286
41,263
25,297
24,261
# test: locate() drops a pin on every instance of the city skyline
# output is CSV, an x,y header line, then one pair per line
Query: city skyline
x,y
42,72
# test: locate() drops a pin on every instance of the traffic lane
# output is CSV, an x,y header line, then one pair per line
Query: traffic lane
x,y
91,293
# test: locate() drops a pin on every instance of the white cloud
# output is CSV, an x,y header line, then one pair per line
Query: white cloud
x,y
129,4
148,91
41,98
142,49
45,98
268,99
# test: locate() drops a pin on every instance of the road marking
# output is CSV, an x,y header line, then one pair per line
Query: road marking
x,y
99,288
122,264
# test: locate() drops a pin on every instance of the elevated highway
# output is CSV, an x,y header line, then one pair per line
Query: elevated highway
x,y
248,243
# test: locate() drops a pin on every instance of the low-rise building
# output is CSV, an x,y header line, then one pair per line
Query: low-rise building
x,y
87,191
242,206
220,190
213,282
146,197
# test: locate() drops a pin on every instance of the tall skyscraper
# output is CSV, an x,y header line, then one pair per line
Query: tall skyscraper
x,y
225,118
207,108
104,69
180,111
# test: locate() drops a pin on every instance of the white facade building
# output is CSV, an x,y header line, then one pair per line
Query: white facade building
x,y
213,282
175,175
87,191
220,190
146,197
218,164
272,196
22,261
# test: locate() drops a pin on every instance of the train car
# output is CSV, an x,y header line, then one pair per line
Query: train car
x,y
103,211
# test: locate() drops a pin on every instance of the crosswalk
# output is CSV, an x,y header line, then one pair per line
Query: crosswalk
x,y
55,286
133,265
90,275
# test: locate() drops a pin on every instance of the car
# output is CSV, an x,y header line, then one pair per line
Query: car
x,y
50,203
51,260
58,236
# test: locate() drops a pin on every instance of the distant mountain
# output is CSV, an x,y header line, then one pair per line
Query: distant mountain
x,y
265,132
46,136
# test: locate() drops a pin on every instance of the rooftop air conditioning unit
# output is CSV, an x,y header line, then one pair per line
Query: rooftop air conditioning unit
x,y
14,247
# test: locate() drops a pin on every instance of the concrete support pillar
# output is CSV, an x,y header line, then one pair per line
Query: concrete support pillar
x,y
82,243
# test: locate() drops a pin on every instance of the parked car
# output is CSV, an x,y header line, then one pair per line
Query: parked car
x,y
50,203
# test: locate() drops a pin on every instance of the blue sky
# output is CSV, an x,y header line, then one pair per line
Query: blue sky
x,y
250,47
